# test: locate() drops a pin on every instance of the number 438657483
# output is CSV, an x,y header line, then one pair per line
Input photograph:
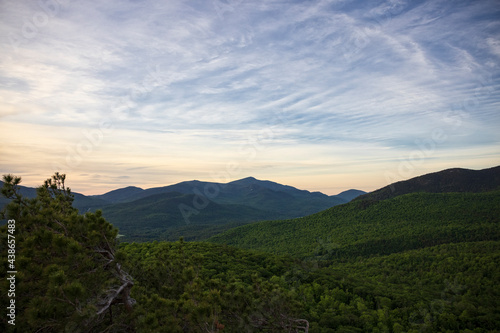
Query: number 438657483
x,y
11,243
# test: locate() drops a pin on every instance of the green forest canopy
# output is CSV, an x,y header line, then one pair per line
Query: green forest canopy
x,y
442,275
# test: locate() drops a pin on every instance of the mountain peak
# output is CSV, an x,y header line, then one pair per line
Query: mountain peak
x,y
350,194
246,180
121,194
449,180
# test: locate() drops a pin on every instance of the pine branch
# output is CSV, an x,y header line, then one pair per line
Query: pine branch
x,y
123,290
113,298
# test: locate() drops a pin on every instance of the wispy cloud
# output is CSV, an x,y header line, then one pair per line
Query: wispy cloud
x,y
187,84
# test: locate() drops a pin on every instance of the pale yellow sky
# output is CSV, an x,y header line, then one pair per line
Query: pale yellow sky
x,y
305,93
97,161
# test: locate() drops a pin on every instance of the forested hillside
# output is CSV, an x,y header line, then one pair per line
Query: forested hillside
x,y
366,227
198,210
159,216
445,181
421,262
201,287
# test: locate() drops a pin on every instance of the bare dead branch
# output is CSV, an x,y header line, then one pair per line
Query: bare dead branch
x,y
114,297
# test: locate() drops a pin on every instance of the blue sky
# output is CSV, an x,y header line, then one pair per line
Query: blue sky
x,y
321,95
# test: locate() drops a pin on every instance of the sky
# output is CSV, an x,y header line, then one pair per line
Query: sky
x,y
320,95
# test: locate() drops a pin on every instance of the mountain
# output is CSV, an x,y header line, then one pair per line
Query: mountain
x,y
424,257
160,213
286,200
438,208
164,213
418,262
82,202
251,181
156,212
126,194
450,180
350,194
23,190
260,194
172,211
365,228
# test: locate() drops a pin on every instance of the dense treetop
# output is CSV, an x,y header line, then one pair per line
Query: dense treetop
x,y
367,227
420,262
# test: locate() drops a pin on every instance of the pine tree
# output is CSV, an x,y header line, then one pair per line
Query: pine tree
x,y
69,274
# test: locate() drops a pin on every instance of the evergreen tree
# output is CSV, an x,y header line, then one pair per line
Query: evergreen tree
x,y
69,276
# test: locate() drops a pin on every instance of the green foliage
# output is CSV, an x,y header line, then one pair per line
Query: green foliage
x,y
414,263
440,288
159,217
201,287
366,228
64,261
445,181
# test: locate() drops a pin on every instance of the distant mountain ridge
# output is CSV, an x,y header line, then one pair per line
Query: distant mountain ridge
x,y
82,202
350,194
162,212
260,194
158,215
445,181
121,195
449,206
132,193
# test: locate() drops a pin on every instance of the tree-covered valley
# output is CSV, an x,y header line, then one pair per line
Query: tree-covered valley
x,y
198,210
418,261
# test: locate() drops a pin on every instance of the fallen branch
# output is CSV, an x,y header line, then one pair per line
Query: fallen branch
x,y
112,299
